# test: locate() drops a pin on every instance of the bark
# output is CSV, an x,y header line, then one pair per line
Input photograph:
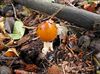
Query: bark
x,y
79,17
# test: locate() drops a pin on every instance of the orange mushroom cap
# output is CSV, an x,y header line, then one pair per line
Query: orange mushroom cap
x,y
47,31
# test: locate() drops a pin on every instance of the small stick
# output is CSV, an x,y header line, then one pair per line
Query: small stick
x,y
96,60
56,12
12,62
8,58
14,11
29,27
35,38
63,69
70,50
70,4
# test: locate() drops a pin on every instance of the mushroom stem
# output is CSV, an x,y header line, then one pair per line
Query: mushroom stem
x,y
47,47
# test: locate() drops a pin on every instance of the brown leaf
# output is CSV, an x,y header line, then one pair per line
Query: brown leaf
x,y
26,47
1,45
54,70
31,67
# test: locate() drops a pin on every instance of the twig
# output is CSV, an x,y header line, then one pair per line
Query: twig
x,y
44,66
34,33
48,61
15,15
96,60
10,42
63,69
8,58
35,38
80,28
29,27
54,14
70,4
36,18
69,49
12,62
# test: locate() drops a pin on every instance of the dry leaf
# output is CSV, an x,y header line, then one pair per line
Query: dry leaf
x,y
9,24
11,52
18,30
1,46
54,70
31,67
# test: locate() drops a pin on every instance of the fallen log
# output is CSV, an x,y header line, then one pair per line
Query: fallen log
x,y
79,17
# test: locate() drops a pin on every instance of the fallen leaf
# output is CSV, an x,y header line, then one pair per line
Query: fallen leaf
x,y
2,26
1,46
62,30
18,31
31,67
11,52
54,70
2,37
9,24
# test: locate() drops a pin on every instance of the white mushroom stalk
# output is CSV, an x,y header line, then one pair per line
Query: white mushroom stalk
x,y
47,47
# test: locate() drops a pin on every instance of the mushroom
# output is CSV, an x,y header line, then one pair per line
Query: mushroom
x,y
47,32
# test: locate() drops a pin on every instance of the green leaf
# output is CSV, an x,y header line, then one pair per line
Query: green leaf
x,y
18,30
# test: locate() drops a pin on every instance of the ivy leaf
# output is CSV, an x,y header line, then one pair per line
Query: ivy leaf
x,y
18,30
